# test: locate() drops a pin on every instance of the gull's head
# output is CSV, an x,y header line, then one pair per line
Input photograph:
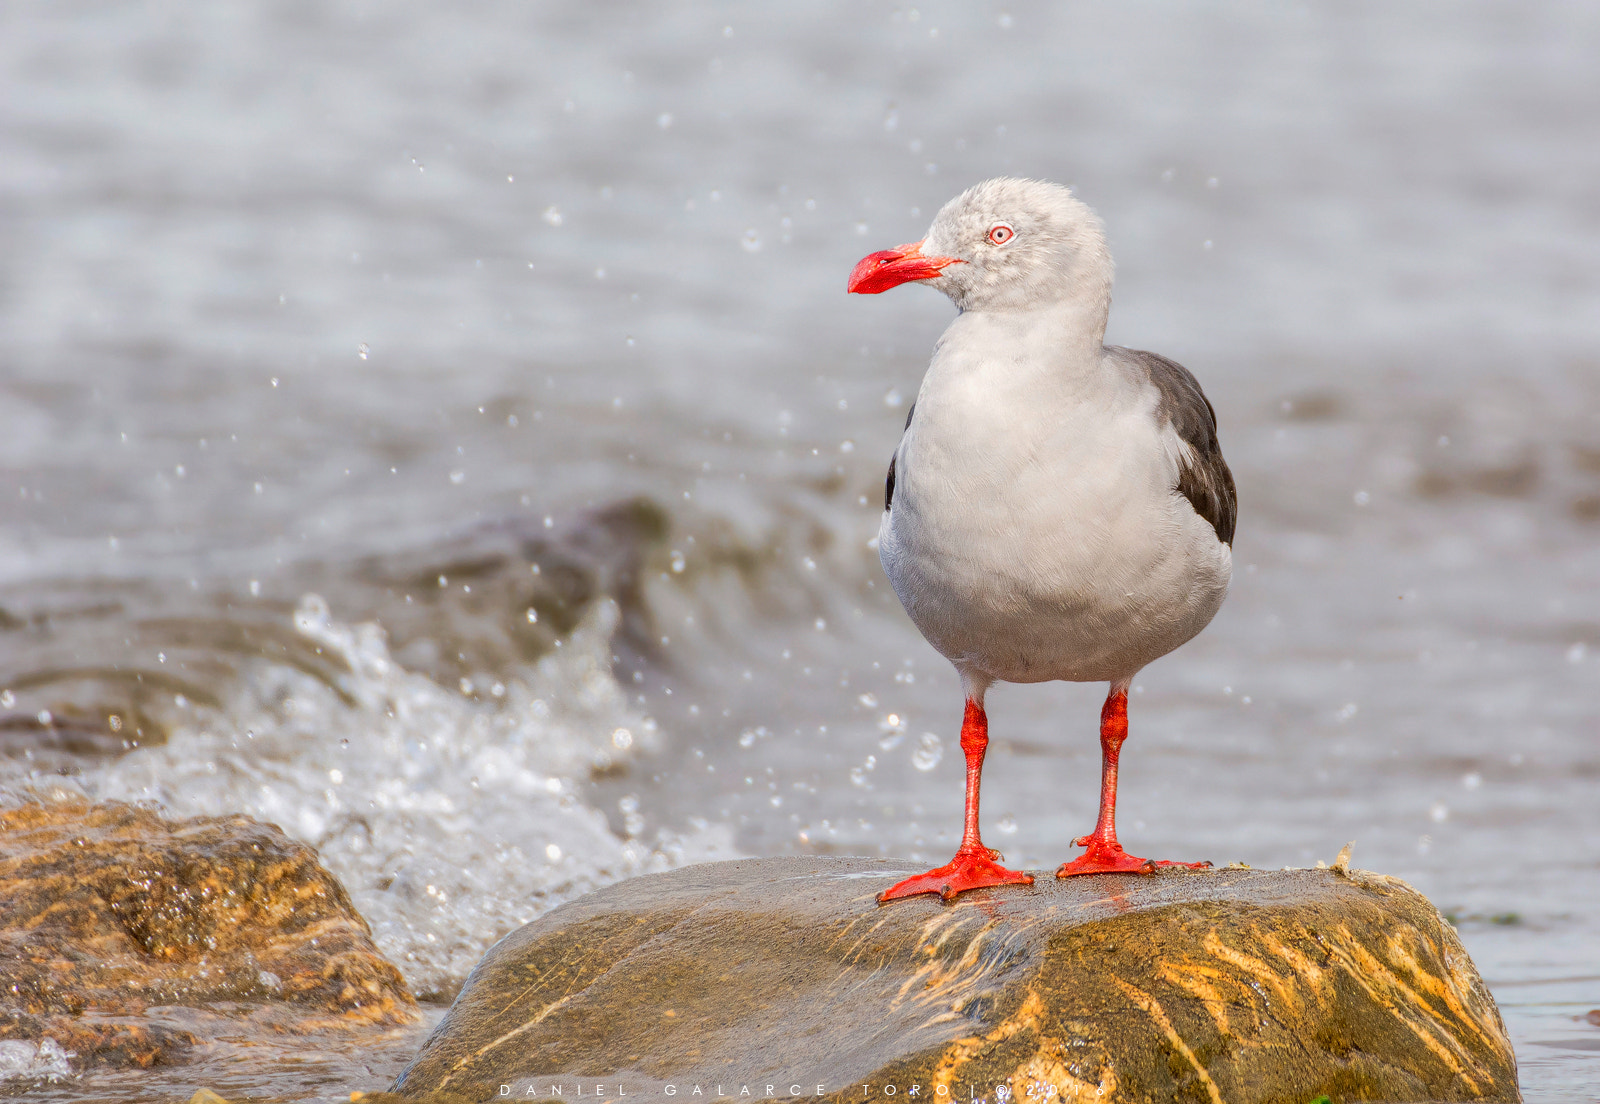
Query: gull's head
x,y
1005,244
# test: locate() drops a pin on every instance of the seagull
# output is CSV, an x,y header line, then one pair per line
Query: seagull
x,y
1057,508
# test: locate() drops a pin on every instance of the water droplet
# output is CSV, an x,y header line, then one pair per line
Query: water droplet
x,y
553,216
751,241
622,739
362,350
1439,812
533,616
664,120
457,477
930,749
1007,825
552,852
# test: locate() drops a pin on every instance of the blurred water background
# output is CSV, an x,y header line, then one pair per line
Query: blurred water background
x,y
441,430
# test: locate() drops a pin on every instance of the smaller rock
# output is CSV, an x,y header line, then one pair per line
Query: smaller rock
x,y
109,910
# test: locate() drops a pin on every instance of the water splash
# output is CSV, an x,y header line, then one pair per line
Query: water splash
x,y
450,819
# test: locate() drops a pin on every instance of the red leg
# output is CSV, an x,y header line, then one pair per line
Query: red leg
x,y
1105,855
974,865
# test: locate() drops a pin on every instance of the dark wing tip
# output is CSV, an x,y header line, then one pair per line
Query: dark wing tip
x,y
1209,488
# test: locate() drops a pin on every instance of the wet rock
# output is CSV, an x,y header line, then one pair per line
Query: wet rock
x,y
109,911
1234,985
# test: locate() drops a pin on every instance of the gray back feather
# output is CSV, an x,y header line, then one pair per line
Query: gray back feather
x,y
1206,483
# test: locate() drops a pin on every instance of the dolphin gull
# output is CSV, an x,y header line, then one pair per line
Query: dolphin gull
x,y
1057,508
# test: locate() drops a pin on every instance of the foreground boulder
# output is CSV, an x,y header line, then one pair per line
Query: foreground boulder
x,y
109,910
783,977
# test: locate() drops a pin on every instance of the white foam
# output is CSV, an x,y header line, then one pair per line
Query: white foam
x,y
449,820
21,1060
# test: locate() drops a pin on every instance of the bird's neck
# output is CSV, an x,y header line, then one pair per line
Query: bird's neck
x,y
1062,338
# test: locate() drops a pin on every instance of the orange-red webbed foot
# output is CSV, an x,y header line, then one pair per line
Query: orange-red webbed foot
x,y
968,870
1104,858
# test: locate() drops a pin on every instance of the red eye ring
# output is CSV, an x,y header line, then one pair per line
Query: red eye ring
x,y
1000,233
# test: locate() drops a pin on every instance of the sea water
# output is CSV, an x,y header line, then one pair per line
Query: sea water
x,y
442,432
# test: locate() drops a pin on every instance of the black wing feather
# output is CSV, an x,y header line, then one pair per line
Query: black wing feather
x,y
888,486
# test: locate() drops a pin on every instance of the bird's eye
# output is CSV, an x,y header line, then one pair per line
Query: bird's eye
x,y
1000,233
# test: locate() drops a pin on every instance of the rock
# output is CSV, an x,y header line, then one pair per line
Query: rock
x,y
1234,985
109,910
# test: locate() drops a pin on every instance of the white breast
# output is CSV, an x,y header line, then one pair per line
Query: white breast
x,y
1035,531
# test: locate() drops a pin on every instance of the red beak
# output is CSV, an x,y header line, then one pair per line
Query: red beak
x,y
889,268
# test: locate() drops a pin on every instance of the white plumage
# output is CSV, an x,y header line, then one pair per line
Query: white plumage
x,y
1035,532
